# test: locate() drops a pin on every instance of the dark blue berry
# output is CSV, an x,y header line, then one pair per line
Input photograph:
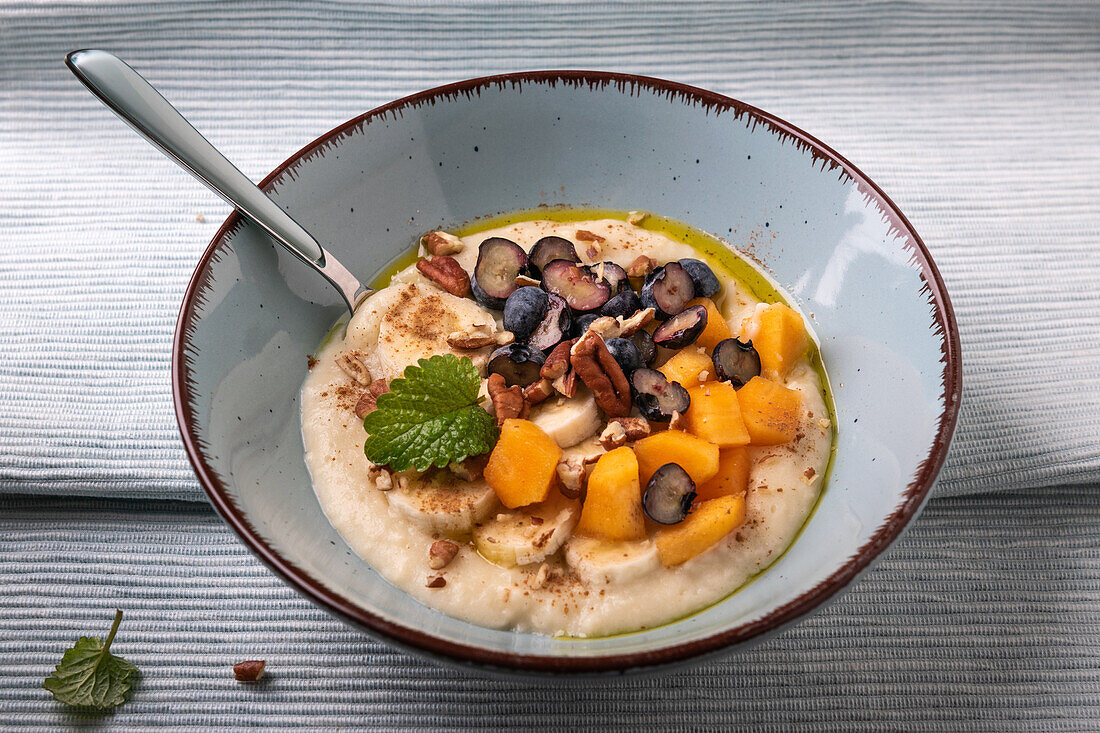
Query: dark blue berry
x,y
524,309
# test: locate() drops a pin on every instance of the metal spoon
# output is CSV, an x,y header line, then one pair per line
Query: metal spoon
x,y
141,106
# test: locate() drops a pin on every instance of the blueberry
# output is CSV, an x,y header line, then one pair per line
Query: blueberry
x,y
517,363
524,309
667,290
682,329
646,347
582,290
499,262
548,249
554,326
626,353
735,362
656,397
668,495
706,284
625,304
581,323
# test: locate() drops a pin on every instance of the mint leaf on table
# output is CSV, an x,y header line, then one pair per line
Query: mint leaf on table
x,y
90,676
431,417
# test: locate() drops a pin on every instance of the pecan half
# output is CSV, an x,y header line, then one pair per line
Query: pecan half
x,y
250,671
623,430
507,401
557,364
447,273
441,553
597,368
442,243
538,391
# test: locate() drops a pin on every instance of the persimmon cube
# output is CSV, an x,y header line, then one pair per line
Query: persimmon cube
x,y
732,477
715,415
717,328
687,364
613,502
523,464
696,456
705,527
780,340
770,411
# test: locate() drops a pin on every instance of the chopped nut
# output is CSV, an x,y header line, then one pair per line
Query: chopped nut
x,y
641,266
379,387
402,481
584,235
447,273
566,385
441,553
808,475
538,391
613,436
592,251
367,404
606,326
381,477
508,401
636,322
824,423
478,336
437,582
540,577
677,422
442,243
571,477
623,430
636,217
704,375
537,521
597,368
310,362
250,671
523,281
471,469
351,365
557,364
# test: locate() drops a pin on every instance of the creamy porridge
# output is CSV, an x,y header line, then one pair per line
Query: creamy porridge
x,y
656,435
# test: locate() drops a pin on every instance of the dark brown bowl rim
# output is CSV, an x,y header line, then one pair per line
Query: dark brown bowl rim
x,y
415,640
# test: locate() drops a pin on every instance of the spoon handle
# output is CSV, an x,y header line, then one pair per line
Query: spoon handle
x,y
133,99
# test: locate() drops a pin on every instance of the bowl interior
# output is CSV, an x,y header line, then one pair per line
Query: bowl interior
x,y
253,314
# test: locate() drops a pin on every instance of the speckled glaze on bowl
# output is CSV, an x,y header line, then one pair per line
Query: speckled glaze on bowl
x,y
826,233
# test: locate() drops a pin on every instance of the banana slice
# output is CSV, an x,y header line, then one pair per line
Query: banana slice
x,y
444,503
599,561
571,422
411,321
516,537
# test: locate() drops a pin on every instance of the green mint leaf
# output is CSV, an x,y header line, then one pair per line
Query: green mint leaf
x,y
431,417
89,676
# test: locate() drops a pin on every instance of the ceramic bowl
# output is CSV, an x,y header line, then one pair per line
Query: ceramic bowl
x,y
367,189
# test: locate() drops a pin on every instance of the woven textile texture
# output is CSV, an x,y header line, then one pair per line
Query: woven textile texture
x,y
979,119
975,621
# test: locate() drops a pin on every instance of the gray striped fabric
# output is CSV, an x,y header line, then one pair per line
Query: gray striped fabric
x,y
986,616
979,119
